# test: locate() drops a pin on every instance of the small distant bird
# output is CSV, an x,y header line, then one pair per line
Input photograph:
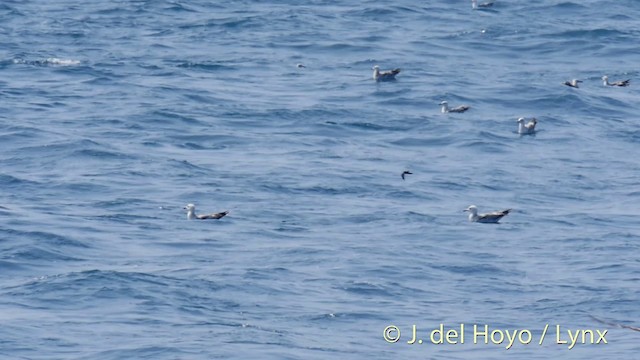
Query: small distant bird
x,y
623,83
573,83
459,109
492,218
385,75
191,214
406,172
528,128
299,66
475,5
623,326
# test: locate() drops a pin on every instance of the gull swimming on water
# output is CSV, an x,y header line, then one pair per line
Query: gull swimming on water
x,y
492,218
475,5
385,75
573,83
605,81
458,109
191,214
528,128
634,328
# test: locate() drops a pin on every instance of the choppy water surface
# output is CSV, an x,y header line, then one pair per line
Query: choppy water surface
x,y
114,115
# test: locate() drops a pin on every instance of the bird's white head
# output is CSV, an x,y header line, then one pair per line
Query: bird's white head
x,y
521,120
472,209
375,67
444,103
191,211
605,78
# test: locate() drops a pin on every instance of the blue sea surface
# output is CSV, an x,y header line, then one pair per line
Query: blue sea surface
x,y
116,114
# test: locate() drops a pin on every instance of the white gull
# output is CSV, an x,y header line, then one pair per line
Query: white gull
x,y
458,109
573,83
191,214
528,128
475,5
605,82
488,218
384,75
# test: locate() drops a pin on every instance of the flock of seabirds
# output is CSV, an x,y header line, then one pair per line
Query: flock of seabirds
x,y
474,216
524,128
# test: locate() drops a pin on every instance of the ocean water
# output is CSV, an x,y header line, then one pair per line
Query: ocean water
x,y
115,114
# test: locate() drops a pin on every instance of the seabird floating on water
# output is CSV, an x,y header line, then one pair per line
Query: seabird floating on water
x,y
406,172
493,217
299,66
475,5
634,328
191,214
458,109
528,128
385,75
573,83
605,81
